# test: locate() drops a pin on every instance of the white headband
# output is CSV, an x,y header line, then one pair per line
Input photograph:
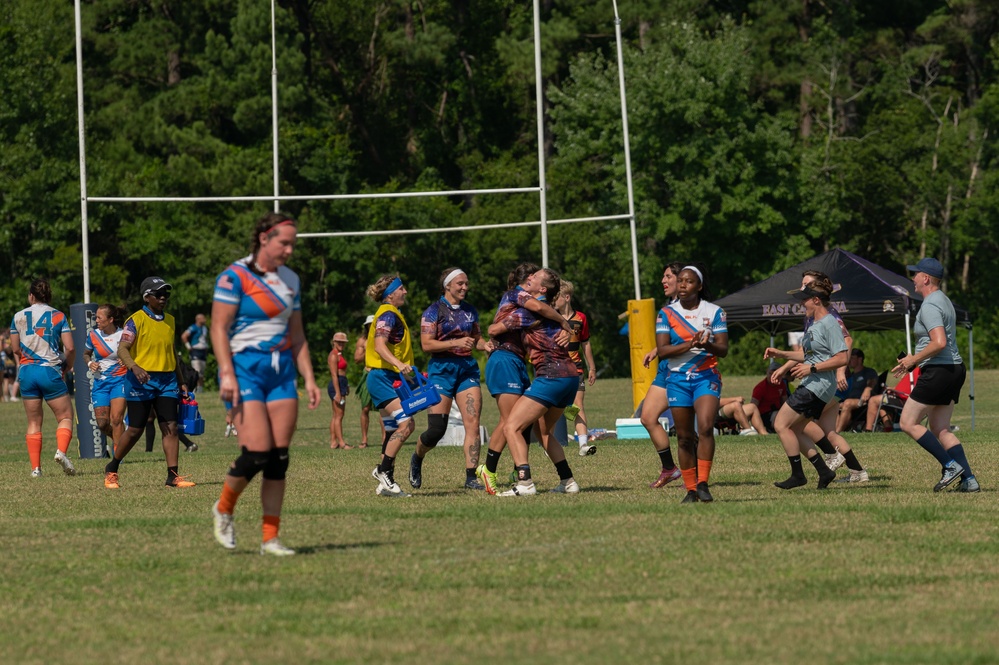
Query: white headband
x,y
695,271
451,275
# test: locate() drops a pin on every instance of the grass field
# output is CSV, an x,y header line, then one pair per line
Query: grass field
x,y
886,572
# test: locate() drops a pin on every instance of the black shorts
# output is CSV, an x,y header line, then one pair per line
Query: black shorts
x,y
138,412
939,385
804,402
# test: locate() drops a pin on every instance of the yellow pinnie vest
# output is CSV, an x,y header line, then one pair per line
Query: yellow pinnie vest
x,y
152,349
403,351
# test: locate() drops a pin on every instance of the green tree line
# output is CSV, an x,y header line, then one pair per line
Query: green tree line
x,y
762,132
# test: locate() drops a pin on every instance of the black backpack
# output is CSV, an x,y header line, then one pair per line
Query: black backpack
x,y
187,373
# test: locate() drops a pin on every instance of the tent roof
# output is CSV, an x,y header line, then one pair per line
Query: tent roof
x,y
867,296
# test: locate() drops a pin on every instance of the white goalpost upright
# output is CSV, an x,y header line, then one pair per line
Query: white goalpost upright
x,y
92,441
276,197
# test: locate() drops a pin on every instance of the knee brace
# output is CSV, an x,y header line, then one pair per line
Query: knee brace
x,y
248,464
389,424
277,464
436,427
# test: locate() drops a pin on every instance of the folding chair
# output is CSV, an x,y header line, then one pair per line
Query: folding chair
x,y
859,417
895,398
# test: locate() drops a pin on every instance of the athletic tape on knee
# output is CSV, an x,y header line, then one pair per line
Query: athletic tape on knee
x,y
400,417
389,424
436,428
277,464
248,464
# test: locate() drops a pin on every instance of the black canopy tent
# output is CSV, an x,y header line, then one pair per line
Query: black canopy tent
x,y
867,296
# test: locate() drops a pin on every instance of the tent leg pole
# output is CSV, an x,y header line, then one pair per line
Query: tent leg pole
x,y
971,360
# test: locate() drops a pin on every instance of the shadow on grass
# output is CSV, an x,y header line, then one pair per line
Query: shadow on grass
x,y
724,499
605,488
458,491
337,547
209,483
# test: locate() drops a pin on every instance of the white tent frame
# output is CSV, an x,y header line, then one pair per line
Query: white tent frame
x,y
276,197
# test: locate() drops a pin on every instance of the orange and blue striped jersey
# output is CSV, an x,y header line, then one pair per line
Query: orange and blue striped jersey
x,y
682,325
39,328
265,304
105,350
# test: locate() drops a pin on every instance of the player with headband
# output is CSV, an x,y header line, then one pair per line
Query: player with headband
x,y
698,336
449,331
389,357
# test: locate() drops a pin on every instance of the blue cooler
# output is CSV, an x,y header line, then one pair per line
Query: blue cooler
x,y
190,421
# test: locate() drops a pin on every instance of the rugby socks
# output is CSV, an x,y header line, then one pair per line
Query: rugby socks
x,y
796,469
564,472
172,474
703,470
931,444
666,457
797,477
523,474
957,454
34,442
689,479
63,436
819,463
470,474
387,465
826,475
851,461
492,460
582,439
227,502
112,466
826,447
270,527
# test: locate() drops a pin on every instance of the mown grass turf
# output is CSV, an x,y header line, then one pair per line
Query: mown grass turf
x,y
886,572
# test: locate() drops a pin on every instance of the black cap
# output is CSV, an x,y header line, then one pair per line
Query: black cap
x,y
151,284
809,292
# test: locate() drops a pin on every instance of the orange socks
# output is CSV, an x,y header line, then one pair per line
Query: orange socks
x,y
63,436
703,470
689,479
34,442
227,502
271,524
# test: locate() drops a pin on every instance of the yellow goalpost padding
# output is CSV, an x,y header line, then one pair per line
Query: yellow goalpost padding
x,y
641,339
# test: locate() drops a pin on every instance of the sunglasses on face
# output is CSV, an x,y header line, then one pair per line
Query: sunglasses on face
x,y
162,293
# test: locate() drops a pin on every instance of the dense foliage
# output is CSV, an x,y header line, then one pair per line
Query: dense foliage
x,y
762,133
